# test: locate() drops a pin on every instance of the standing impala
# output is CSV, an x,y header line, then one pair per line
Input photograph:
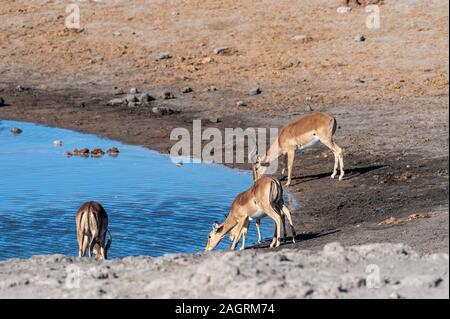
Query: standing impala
x,y
304,133
265,197
92,230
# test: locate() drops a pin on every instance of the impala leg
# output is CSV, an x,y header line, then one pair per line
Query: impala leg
x,y
258,228
268,209
80,244
283,222
290,160
338,158
84,245
286,212
238,234
244,234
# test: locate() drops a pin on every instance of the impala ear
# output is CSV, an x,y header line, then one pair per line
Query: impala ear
x,y
215,226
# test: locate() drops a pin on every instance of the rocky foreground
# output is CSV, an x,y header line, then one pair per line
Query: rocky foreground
x,y
368,271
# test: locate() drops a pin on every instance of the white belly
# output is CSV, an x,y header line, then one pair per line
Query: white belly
x,y
313,141
258,214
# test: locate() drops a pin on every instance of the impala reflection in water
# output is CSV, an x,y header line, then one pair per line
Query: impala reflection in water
x,y
154,206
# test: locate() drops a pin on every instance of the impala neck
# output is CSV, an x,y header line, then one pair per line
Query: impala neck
x,y
228,225
273,153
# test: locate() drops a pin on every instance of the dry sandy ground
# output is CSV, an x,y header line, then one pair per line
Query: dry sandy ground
x,y
368,271
388,93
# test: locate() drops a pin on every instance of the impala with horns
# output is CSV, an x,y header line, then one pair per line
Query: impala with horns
x,y
301,134
92,230
265,197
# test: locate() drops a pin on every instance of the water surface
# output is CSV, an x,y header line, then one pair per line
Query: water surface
x,y
154,206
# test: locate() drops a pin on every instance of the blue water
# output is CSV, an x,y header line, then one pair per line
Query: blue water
x,y
154,206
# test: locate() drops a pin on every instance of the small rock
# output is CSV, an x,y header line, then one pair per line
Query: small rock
x,y
360,38
131,98
301,38
295,62
133,104
57,143
164,56
255,91
211,88
117,33
81,152
215,120
97,152
356,79
113,151
145,98
308,108
115,102
344,10
167,95
186,89
241,103
220,50
68,154
16,130
2,102
118,91
162,110
175,13
21,88
133,91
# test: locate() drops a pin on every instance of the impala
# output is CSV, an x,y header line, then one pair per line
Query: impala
x,y
265,197
303,133
92,230
284,213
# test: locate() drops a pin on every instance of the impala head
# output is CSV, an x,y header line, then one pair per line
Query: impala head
x,y
258,169
214,236
102,253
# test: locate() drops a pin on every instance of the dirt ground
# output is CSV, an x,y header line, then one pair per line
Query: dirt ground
x,y
389,94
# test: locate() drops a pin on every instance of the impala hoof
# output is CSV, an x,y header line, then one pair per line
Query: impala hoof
x,y
288,183
333,176
341,177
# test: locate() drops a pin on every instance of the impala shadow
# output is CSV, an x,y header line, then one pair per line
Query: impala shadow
x,y
298,238
349,174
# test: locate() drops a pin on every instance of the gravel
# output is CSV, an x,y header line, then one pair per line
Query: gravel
x,y
367,271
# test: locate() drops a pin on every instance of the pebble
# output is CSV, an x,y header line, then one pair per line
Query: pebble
x,y
68,154
241,103
220,50
162,110
113,151
360,38
302,38
145,98
215,120
57,143
2,102
118,91
96,152
255,91
211,88
167,95
117,34
133,91
164,56
21,88
355,78
115,102
186,89
133,104
16,130
131,98
344,10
